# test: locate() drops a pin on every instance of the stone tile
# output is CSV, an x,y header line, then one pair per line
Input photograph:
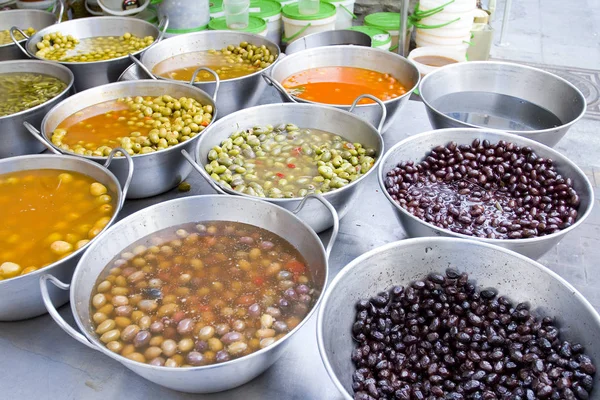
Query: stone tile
x,y
572,55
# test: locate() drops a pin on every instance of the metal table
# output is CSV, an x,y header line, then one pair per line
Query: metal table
x,y
40,361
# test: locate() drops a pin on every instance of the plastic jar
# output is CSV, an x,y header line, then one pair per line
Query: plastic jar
x,y
150,14
255,25
388,21
270,11
344,14
286,2
216,8
296,25
185,16
380,39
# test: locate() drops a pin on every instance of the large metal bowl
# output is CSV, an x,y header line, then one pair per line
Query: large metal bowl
x,y
97,73
329,119
21,297
329,38
211,378
156,172
351,56
234,94
506,93
399,263
24,19
416,147
15,138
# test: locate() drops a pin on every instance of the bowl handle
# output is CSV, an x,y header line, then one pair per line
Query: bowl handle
x,y
142,67
129,170
16,42
334,214
162,27
203,173
61,10
272,82
213,73
55,315
376,100
38,136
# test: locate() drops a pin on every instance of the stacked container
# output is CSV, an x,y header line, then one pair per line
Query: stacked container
x,y
345,13
270,11
445,23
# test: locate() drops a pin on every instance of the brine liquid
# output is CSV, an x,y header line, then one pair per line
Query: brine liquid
x,y
496,111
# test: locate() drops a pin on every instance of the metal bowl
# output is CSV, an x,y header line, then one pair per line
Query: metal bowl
x,y
156,172
329,38
21,295
328,119
497,95
399,263
97,73
35,19
416,147
15,138
234,94
211,378
351,56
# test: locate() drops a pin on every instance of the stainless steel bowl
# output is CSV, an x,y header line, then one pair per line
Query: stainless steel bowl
x,y
234,94
21,295
497,95
156,172
329,38
211,378
15,138
399,263
351,56
35,19
416,147
97,73
328,119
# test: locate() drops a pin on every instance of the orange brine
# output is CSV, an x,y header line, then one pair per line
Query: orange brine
x,y
342,85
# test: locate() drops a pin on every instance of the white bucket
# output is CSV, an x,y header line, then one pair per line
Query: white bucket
x,y
458,55
274,26
270,12
455,7
434,41
465,19
446,31
344,14
296,28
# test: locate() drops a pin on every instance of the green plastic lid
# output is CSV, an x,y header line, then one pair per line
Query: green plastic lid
x,y
268,8
216,6
388,21
379,37
255,25
326,10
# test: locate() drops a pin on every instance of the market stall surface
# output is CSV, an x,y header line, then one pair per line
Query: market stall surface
x,y
42,362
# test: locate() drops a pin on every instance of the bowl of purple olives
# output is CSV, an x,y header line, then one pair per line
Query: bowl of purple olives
x,y
448,318
491,186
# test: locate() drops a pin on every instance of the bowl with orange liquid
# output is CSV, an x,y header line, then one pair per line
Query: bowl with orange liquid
x,y
337,75
51,208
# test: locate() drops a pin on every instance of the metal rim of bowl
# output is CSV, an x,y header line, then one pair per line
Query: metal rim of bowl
x,y
23,11
42,33
49,63
513,137
82,249
205,33
503,63
348,269
135,156
375,166
124,360
398,57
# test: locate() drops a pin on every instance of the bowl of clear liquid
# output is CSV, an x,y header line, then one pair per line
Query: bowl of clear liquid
x,y
502,96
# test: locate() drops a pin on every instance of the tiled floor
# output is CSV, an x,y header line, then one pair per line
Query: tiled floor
x,y
564,38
